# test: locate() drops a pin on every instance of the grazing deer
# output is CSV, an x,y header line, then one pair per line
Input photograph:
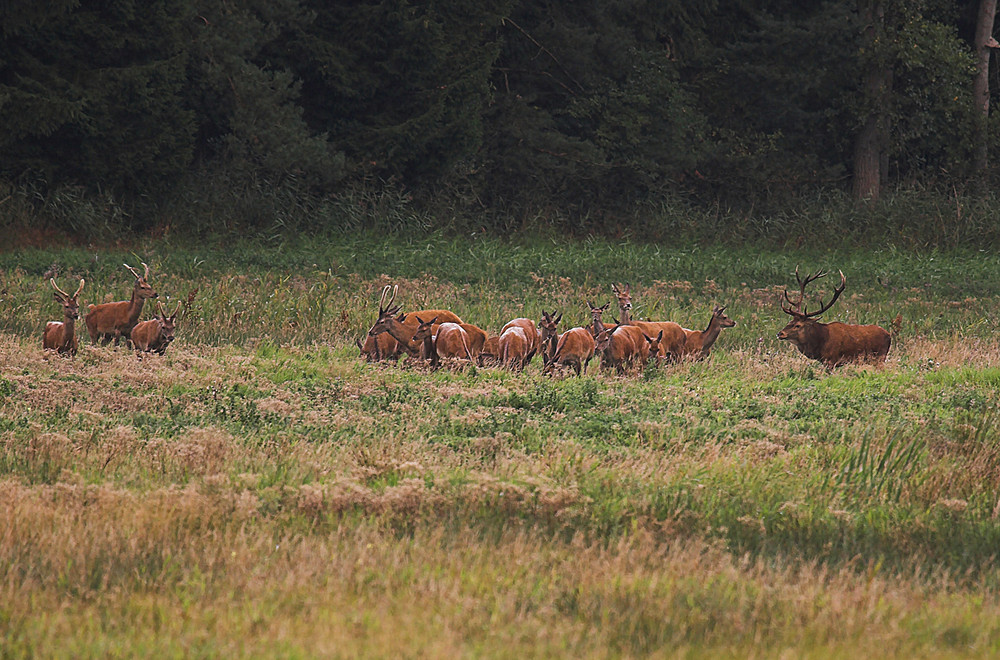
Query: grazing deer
x,y
513,345
451,341
115,320
698,343
654,350
530,332
61,336
575,348
674,338
622,346
835,343
380,344
477,337
154,335
548,335
490,355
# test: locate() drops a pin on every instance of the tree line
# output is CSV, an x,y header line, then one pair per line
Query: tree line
x,y
502,106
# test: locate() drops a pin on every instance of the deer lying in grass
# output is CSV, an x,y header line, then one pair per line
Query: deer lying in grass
x,y
674,338
575,347
154,335
513,345
383,345
115,320
654,351
60,336
698,343
623,346
835,343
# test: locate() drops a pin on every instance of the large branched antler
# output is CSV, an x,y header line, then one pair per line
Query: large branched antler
x,y
795,307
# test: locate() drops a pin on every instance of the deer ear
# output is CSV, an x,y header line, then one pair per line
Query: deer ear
x,y
434,320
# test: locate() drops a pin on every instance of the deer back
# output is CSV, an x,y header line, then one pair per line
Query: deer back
x,y
530,332
146,334
452,341
513,345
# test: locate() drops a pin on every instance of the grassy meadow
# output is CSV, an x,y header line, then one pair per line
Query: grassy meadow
x,y
260,491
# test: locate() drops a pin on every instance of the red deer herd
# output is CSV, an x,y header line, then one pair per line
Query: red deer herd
x,y
624,345
112,321
434,335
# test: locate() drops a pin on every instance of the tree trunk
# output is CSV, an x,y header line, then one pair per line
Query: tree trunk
x,y
981,83
870,142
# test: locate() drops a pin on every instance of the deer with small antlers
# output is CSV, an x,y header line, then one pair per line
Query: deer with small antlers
x,y
60,336
115,320
154,335
674,338
835,343
381,344
698,343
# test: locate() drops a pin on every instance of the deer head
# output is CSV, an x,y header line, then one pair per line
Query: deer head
x,y
167,323
141,288
71,308
595,315
386,311
803,321
624,297
719,316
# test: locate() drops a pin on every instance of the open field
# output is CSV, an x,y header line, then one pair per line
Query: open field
x,y
260,491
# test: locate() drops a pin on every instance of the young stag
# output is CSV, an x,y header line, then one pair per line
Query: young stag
x,y
575,348
674,339
513,345
154,335
61,336
836,343
698,343
621,346
530,333
381,344
115,320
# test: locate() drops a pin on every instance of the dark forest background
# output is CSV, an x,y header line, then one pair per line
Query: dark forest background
x,y
727,118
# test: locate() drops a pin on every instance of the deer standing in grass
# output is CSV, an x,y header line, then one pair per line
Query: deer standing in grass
x,y
596,324
698,343
115,320
389,337
60,336
154,335
623,346
835,343
548,334
513,346
674,338
530,333
450,341
574,347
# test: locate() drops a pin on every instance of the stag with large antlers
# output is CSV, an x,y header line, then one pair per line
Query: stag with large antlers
x,y
381,344
115,320
60,336
154,335
835,343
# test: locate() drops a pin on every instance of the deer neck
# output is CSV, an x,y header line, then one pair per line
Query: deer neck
x,y
404,335
69,325
711,333
626,314
135,306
